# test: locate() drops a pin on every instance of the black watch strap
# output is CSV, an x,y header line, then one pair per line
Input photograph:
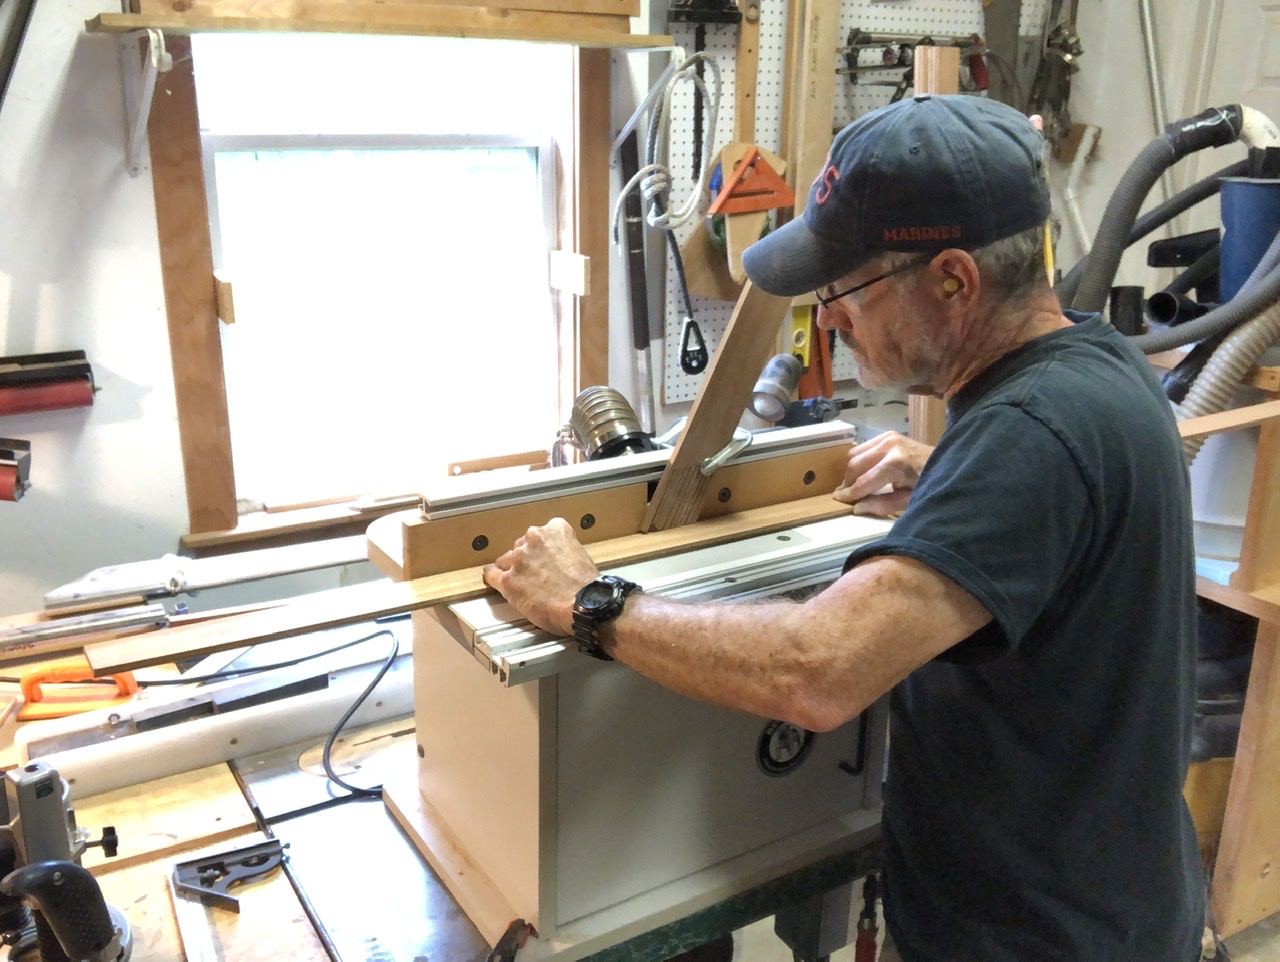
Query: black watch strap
x,y
598,602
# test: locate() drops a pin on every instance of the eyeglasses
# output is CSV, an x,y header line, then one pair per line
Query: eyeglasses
x,y
828,299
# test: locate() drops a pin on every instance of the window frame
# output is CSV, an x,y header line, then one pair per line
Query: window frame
x,y
186,262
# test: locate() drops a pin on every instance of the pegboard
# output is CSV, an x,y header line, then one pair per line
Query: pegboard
x,y
915,17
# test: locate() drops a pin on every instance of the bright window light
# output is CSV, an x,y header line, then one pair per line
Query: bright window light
x,y
393,312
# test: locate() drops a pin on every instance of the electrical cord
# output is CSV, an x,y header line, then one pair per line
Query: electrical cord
x,y
326,756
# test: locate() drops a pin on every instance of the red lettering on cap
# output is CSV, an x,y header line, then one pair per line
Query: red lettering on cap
x,y
935,233
826,183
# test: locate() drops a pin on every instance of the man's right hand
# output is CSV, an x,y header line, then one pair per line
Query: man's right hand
x,y
881,474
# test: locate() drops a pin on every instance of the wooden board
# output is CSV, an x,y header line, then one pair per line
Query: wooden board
x,y
1260,548
411,546
186,267
1207,424
1263,603
1246,883
746,69
814,102
593,138
432,547
271,925
926,418
937,71
721,402
488,910
477,23
372,11
169,818
706,267
359,603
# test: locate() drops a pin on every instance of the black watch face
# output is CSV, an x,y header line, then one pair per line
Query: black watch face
x,y
595,595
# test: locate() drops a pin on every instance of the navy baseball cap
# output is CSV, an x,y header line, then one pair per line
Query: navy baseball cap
x,y
923,174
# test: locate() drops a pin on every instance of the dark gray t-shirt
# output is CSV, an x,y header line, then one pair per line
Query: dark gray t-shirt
x,y
1033,808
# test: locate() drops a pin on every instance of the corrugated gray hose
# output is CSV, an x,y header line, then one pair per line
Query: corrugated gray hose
x,y
1211,128
1214,389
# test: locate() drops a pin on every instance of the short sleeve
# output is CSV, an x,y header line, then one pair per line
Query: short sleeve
x,y
1003,510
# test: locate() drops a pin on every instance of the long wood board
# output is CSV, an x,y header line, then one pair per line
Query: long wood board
x,y
186,267
1246,886
379,599
477,23
1230,420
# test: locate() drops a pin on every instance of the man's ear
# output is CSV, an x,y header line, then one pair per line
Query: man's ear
x,y
958,273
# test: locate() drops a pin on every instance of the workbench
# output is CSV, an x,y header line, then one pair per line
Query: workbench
x,y
353,887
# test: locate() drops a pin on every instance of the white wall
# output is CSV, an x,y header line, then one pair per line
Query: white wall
x,y
79,269
1111,92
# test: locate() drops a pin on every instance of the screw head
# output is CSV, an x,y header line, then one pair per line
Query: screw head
x,y
587,522
724,495
479,543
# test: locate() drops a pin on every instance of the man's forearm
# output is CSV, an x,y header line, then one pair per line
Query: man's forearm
x,y
764,659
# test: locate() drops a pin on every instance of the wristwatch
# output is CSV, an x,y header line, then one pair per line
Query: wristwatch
x,y
597,602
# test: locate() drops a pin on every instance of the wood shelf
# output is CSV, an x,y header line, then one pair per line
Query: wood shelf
x,y
1263,378
1263,604
435,20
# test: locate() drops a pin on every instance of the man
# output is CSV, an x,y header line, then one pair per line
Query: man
x,y
1032,610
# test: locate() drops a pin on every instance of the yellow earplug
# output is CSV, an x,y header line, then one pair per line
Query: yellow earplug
x,y
950,286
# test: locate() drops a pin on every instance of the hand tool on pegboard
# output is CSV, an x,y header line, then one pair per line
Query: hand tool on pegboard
x,y
700,13
752,186
45,382
705,251
637,280
15,468
655,178
816,380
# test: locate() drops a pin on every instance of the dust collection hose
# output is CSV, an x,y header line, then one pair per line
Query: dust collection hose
x,y
1214,389
1259,292
1215,127
1156,217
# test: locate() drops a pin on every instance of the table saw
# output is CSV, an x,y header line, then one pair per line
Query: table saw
x,y
578,795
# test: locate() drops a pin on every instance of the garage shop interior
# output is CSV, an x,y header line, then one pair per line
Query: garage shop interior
x,y
640,480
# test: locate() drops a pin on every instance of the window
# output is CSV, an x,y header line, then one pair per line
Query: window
x,y
386,233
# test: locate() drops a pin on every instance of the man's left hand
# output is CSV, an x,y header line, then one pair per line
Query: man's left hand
x,y
541,574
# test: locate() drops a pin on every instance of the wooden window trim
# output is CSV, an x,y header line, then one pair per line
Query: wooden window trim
x,y
186,263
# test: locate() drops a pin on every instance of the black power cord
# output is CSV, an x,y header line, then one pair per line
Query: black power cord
x,y
326,757
376,790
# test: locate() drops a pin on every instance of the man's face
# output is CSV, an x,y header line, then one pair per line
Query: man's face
x,y
894,344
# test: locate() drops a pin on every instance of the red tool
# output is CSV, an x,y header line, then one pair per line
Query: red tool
x,y
978,64
45,382
752,185
15,468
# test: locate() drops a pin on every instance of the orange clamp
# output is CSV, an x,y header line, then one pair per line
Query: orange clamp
x,y
71,671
